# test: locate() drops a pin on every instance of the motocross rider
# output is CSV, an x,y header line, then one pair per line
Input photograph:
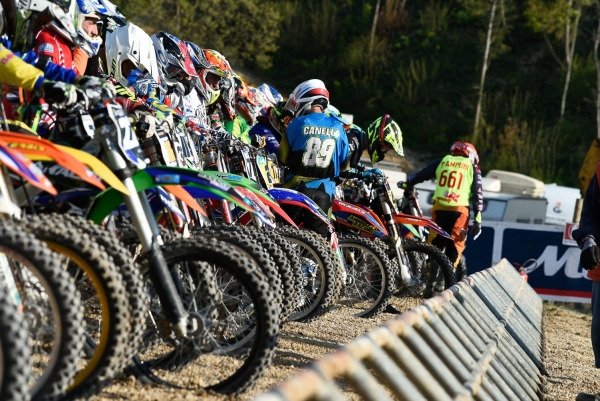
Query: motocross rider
x,y
382,135
314,148
56,43
458,181
272,126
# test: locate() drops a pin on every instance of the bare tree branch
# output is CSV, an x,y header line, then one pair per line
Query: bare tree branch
x,y
373,28
485,66
570,52
558,60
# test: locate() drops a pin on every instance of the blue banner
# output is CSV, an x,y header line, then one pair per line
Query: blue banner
x,y
558,276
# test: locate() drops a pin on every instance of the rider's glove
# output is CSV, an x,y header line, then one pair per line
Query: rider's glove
x,y
590,256
91,82
403,185
371,172
59,93
476,230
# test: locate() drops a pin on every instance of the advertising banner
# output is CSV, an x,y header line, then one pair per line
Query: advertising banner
x,y
558,276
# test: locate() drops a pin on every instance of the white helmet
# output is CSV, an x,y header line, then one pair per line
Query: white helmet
x,y
130,42
89,9
62,11
305,94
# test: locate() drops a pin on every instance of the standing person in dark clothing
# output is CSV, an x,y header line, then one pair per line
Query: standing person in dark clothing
x,y
586,236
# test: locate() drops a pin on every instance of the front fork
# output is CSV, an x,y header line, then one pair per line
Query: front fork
x,y
150,239
405,273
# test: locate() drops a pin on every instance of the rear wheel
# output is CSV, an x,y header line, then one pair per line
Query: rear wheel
x,y
248,243
434,267
319,274
461,269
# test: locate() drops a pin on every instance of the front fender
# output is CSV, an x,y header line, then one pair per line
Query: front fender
x,y
243,182
155,176
295,198
38,149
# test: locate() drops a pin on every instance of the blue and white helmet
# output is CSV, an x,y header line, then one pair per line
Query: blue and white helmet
x,y
89,9
273,96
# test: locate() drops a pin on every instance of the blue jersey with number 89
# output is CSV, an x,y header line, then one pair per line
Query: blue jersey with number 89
x,y
318,146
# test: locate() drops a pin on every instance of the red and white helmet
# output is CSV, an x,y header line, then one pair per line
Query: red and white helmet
x,y
465,149
307,94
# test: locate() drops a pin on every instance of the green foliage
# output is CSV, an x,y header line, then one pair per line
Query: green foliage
x,y
242,30
424,68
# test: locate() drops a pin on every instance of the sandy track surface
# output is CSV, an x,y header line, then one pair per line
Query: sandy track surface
x,y
568,347
569,356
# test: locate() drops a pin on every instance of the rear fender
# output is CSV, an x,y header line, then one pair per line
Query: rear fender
x,y
243,182
358,218
407,219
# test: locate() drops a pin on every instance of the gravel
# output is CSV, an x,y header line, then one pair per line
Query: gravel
x,y
568,348
569,356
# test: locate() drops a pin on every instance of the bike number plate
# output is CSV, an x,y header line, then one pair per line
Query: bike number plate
x,y
88,124
126,139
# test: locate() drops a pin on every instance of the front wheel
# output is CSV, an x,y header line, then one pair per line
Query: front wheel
x,y
370,277
15,364
238,321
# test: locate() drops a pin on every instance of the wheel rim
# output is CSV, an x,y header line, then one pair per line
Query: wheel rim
x,y
227,340
33,287
367,276
313,280
82,282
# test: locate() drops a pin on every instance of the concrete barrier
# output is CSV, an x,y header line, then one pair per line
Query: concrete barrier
x,y
481,339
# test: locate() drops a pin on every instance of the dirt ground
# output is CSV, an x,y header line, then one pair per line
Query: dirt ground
x,y
569,354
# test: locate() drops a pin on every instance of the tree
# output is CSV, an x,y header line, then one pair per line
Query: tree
x,y
560,18
485,65
242,30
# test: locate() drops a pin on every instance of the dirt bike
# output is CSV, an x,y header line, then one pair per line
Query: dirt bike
x,y
375,215
409,204
183,284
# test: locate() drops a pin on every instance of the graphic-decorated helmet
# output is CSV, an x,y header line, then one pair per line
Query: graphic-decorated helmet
x,y
173,59
210,66
62,12
307,94
384,134
262,102
465,149
130,43
227,99
273,96
89,9
245,102
279,117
